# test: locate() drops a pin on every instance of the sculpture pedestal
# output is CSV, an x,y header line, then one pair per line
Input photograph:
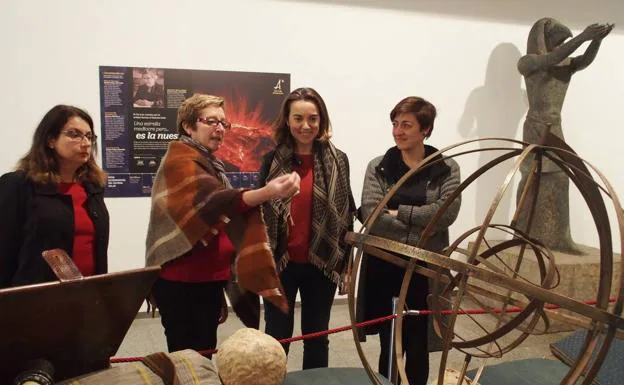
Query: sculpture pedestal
x,y
579,276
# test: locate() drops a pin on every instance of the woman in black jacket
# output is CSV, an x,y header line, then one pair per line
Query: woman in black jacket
x,y
406,215
54,199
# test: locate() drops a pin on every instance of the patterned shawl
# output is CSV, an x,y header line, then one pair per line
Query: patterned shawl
x,y
190,197
333,210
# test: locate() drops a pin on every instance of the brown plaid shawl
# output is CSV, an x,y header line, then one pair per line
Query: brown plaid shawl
x,y
189,199
333,210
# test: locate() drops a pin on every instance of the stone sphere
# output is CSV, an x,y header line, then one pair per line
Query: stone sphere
x,y
251,357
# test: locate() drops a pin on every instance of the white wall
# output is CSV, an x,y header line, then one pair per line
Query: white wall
x,y
362,56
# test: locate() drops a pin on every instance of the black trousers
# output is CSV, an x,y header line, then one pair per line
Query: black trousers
x,y
189,312
383,282
415,349
317,296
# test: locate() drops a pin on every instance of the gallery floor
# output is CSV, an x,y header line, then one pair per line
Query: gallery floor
x,y
146,336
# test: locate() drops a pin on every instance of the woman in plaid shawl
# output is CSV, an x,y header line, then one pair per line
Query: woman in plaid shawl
x,y
198,223
307,231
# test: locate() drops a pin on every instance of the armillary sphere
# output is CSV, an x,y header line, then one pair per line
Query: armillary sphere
x,y
479,278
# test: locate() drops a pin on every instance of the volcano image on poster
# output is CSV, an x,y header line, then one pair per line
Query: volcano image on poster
x,y
248,140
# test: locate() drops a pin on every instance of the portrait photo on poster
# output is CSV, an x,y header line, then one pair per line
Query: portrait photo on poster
x,y
148,88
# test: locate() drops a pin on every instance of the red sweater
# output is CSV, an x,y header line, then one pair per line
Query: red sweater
x,y
204,263
301,211
84,231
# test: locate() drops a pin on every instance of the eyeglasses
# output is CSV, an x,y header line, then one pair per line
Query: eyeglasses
x,y
77,136
215,122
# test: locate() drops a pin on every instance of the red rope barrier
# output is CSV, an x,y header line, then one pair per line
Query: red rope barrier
x,y
282,341
511,309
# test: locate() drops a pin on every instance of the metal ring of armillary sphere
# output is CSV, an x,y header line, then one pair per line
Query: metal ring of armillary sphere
x,y
478,278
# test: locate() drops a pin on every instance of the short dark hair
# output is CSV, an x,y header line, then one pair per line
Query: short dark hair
x,y
423,110
281,132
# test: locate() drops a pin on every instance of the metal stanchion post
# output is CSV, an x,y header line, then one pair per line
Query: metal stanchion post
x,y
393,374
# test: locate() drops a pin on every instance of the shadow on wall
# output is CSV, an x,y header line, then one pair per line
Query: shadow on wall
x,y
495,110
576,14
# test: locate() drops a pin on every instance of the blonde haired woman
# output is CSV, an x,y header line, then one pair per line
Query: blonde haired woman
x,y
196,222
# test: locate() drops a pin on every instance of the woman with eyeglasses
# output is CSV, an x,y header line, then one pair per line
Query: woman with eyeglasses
x,y
406,215
307,231
54,199
197,224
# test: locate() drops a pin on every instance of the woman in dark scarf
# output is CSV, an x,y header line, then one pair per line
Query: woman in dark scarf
x,y
307,231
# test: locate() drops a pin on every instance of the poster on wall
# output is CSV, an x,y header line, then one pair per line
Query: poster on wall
x,y
138,119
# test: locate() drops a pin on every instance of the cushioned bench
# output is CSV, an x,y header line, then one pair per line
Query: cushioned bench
x,y
330,376
523,372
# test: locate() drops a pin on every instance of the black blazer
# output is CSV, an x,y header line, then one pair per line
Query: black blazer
x,y
36,217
